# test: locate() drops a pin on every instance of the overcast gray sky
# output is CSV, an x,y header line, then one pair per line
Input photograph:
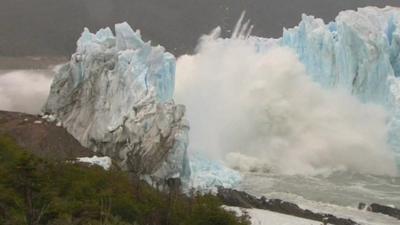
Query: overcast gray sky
x,y
51,27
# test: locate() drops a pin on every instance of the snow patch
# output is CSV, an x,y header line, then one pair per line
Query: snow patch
x,y
104,162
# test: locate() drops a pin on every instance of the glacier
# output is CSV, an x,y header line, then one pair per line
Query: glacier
x,y
115,97
116,94
209,174
358,52
319,126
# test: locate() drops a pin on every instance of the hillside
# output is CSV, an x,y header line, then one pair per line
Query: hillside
x,y
35,191
42,138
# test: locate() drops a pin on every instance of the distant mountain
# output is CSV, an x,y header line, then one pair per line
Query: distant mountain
x,y
50,27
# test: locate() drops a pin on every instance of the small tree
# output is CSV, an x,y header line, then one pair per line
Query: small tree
x,y
27,182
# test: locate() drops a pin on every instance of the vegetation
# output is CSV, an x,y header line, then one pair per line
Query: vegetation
x,y
34,191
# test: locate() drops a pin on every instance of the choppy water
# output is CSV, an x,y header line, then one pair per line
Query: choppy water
x,y
338,193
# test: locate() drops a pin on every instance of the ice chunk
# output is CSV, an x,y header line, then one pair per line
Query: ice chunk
x,y
127,38
104,162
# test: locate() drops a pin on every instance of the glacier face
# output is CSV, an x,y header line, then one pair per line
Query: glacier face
x,y
116,94
358,52
254,105
115,97
208,174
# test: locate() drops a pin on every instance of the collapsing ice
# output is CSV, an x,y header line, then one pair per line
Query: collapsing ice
x,y
116,94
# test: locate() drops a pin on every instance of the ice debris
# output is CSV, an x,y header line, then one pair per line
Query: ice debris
x,y
104,162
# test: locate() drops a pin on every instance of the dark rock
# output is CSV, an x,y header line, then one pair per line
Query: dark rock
x,y
386,210
362,205
242,199
238,198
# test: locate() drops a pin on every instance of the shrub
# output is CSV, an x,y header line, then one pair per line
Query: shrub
x,y
37,192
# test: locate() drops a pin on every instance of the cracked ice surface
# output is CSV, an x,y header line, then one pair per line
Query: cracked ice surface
x,y
115,97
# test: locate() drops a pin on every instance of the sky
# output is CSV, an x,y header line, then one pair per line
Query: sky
x,y
51,27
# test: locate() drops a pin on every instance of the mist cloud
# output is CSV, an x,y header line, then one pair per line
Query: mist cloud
x,y
24,90
261,111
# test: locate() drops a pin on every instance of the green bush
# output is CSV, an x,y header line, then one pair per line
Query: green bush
x,y
37,192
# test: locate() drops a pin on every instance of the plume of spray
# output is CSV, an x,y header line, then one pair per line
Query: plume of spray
x,y
242,30
260,111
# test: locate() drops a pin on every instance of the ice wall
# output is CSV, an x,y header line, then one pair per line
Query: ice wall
x,y
115,97
209,174
252,96
358,52
260,112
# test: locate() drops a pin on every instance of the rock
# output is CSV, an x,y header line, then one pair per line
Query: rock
x,y
242,199
362,206
386,210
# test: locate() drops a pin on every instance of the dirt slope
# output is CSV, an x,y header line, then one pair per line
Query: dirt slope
x,y
44,139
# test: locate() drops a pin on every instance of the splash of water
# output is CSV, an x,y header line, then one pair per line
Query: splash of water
x,y
261,111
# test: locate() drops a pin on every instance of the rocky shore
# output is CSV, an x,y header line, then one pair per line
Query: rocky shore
x,y
242,199
382,209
